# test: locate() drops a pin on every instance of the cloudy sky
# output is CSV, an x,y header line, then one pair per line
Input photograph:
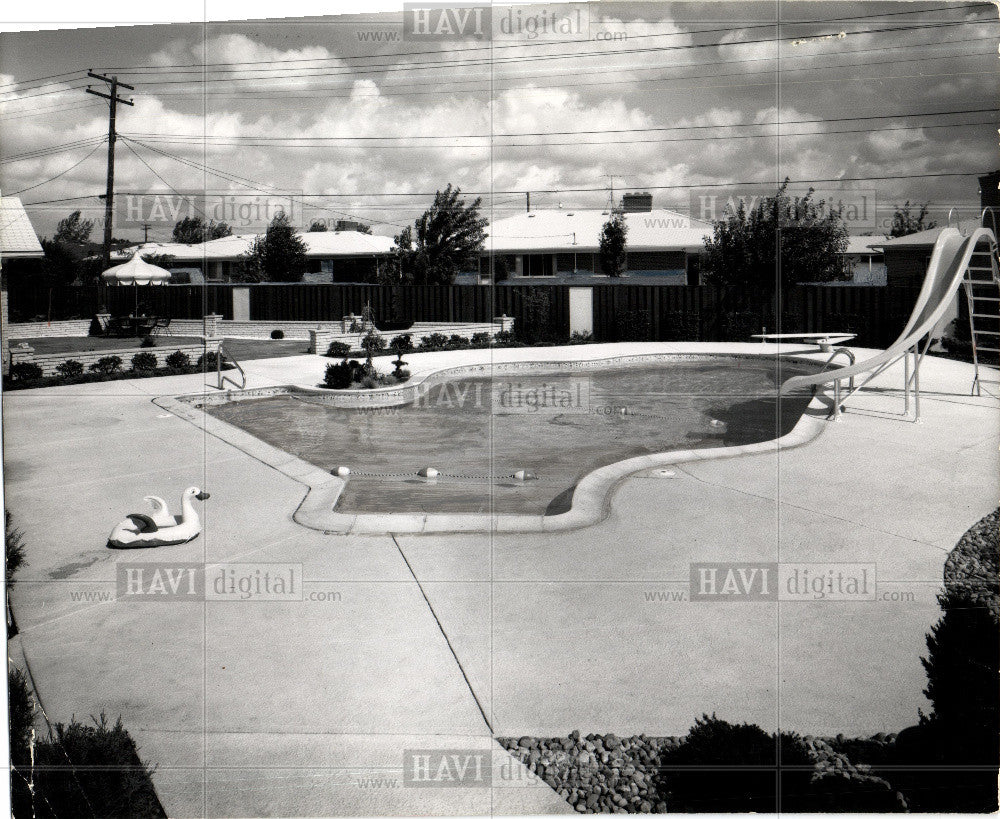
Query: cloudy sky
x,y
357,119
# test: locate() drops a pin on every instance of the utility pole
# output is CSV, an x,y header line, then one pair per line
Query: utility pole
x,y
112,136
145,232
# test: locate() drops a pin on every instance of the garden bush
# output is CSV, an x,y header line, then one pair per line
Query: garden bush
x,y
581,338
25,371
71,368
480,340
107,365
22,716
401,374
435,341
277,335
92,770
457,342
504,338
178,360
703,774
339,376
144,362
401,344
148,341
338,349
372,342
209,360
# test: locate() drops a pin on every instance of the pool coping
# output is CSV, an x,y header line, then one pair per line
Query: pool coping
x,y
591,500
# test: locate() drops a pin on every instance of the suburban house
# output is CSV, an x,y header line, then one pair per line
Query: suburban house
x,y
907,257
865,260
560,245
18,243
333,256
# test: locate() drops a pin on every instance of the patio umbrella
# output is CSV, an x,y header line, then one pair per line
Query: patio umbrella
x,y
135,272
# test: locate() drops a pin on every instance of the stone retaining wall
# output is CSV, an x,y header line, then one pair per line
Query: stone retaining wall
x,y
49,361
45,329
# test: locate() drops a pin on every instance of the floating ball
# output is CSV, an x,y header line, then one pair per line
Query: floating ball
x,y
428,472
525,475
340,471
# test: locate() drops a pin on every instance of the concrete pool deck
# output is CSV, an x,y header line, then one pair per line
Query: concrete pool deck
x,y
305,708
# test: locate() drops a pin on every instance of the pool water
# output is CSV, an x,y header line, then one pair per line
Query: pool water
x,y
479,432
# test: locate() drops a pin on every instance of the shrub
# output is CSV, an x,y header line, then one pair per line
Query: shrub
x,y
13,549
703,774
209,360
22,716
277,335
93,770
70,368
148,341
480,340
581,338
178,360
25,371
372,343
401,344
338,349
504,338
339,376
144,362
401,374
107,365
435,341
457,342
694,782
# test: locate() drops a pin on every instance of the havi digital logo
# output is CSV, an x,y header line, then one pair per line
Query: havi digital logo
x,y
443,21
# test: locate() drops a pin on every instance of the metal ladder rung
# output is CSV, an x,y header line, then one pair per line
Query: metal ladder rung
x,y
985,316
986,298
987,332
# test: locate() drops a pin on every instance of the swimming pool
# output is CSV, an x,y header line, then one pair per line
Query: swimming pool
x,y
519,442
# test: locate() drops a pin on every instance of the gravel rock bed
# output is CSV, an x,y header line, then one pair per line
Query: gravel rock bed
x,y
597,773
971,570
610,774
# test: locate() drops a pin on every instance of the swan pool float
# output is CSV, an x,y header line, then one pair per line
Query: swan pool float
x,y
160,528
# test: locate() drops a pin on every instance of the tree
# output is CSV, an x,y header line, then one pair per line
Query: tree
x,y
74,230
318,226
191,230
777,243
445,240
363,228
904,222
612,254
277,256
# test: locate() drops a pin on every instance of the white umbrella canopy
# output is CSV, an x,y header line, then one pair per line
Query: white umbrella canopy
x,y
135,271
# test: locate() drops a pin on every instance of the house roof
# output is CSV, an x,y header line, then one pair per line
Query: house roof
x,y
229,248
924,238
864,245
569,231
17,236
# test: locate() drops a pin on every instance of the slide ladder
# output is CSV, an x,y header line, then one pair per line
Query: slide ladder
x,y
982,294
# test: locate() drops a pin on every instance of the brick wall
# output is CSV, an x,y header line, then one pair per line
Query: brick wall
x,y
43,329
49,361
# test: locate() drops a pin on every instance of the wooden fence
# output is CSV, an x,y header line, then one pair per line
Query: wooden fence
x,y
621,311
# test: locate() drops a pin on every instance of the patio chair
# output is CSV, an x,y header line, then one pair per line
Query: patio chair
x,y
945,274
160,326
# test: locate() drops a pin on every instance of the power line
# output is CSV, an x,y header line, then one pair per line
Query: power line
x,y
52,150
637,185
63,173
493,46
494,61
208,138
436,86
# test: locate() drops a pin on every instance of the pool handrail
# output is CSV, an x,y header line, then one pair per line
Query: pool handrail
x,y
945,273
